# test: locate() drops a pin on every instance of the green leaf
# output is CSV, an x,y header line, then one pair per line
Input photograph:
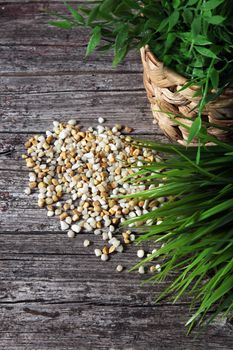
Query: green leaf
x,y
94,40
201,40
188,16
176,3
163,24
173,19
194,130
211,4
214,77
215,19
107,6
133,4
79,18
192,2
104,48
205,52
196,26
61,24
171,37
93,15
121,37
120,55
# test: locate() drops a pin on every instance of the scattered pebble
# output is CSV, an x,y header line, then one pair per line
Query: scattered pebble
x,y
71,234
141,270
86,243
76,228
152,269
104,257
140,253
101,120
98,252
64,226
27,191
132,237
119,268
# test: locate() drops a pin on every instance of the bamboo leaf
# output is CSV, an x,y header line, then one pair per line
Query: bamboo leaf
x,y
94,40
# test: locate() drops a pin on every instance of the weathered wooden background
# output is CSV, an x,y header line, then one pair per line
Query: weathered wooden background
x,y
53,293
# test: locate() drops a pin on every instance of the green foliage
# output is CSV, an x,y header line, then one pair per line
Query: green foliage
x,y
193,37
197,224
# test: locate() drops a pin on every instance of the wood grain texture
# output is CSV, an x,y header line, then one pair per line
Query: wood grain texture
x,y
35,112
54,294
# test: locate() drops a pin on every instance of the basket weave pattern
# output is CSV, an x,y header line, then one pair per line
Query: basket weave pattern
x,y
162,84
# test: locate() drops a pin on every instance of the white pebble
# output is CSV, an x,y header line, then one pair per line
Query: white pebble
x,y
27,191
50,213
76,228
132,237
120,248
98,252
119,268
71,234
72,122
63,134
104,257
105,236
141,270
97,232
86,243
158,267
68,220
101,120
154,251
64,225
140,253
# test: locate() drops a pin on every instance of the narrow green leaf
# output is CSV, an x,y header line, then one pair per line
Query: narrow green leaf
x,y
192,2
176,3
211,4
194,130
163,24
121,37
201,40
92,16
61,24
133,4
205,52
215,19
173,19
171,37
196,26
120,55
188,16
79,18
94,40
214,77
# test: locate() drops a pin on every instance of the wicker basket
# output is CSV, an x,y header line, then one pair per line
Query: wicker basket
x,y
162,85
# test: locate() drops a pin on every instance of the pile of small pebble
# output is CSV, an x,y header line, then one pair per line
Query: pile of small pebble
x,y
77,174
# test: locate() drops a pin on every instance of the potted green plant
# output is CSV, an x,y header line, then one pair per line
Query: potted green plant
x,y
193,38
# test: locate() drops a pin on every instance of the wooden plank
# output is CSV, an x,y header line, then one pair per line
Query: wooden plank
x,y
55,59
76,277
18,25
73,82
86,327
36,113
